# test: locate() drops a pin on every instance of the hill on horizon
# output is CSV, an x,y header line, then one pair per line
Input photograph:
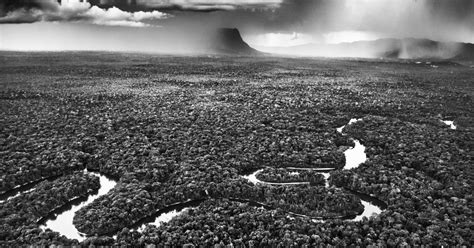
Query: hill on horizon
x,y
408,48
229,41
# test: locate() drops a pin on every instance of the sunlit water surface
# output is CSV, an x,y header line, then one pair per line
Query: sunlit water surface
x,y
63,222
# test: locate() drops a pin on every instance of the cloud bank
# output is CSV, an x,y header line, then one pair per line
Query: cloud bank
x,y
435,19
75,11
263,23
209,4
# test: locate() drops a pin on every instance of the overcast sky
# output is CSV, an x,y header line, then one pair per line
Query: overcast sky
x,y
164,24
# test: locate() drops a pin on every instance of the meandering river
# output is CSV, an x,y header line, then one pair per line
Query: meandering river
x,y
355,156
62,223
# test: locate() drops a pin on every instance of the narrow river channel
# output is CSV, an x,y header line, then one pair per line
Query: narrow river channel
x,y
62,223
355,156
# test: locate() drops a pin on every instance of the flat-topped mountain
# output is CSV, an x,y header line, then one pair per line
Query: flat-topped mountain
x,y
229,41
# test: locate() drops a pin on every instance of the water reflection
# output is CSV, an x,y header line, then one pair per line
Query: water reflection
x,y
253,179
450,124
372,206
24,188
369,210
62,223
163,218
351,121
16,195
355,156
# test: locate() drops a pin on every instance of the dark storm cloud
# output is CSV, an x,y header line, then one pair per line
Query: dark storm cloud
x,y
11,5
27,11
19,9
367,14
73,11
187,5
144,5
453,10
436,19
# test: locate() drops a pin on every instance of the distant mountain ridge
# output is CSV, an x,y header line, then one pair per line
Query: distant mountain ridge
x,y
408,48
411,48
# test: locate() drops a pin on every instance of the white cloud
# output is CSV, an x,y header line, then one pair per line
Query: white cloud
x,y
117,17
140,15
75,11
